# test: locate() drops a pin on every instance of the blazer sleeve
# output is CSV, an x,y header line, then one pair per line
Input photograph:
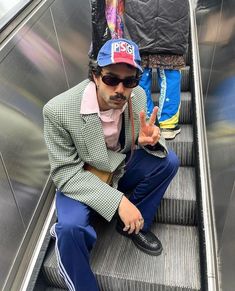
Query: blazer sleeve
x,y
67,169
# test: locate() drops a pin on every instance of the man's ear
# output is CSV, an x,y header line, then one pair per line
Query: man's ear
x,y
95,79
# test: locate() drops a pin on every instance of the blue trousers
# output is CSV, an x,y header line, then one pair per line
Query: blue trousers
x,y
146,176
169,101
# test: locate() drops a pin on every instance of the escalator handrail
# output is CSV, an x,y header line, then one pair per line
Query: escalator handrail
x,y
207,211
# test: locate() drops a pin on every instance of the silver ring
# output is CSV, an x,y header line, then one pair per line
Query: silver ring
x,y
141,219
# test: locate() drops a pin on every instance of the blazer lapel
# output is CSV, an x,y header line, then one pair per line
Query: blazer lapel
x,y
96,146
128,128
101,157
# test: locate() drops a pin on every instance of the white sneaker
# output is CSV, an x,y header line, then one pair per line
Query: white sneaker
x,y
170,133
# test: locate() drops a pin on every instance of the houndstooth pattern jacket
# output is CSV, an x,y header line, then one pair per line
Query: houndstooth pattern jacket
x,y
74,139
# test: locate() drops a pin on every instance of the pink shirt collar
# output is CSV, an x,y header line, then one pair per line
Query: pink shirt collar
x,y
89,102
111,119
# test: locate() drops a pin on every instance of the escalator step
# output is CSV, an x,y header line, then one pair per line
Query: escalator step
x,y
182,145
119,265
178,205
188,55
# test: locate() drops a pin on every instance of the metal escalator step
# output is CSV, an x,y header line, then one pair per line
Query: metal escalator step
x,y
50,269
179,202
186,107
185,77
182,145
120,266
55,289
188,56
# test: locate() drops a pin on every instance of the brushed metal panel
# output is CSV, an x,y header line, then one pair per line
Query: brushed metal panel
x,y
11,226
208,20
25,156
228,246
73,26
33,69
219,110
34,65
217,35
30,74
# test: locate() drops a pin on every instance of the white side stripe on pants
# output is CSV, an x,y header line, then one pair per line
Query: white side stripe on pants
x,y
62,270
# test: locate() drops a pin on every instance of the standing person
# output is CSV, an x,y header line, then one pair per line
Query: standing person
x,y
114,10
91,131
160,29
99,27
106,23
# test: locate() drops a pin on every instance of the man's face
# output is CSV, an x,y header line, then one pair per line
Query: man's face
x,y
114,96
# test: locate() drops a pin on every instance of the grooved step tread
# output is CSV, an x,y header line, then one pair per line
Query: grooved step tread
x,y
120,266
55,289
182,145
178,205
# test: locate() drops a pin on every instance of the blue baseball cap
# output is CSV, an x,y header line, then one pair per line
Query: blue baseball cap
x,y
119,50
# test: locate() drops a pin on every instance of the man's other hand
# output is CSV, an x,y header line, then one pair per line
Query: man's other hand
x,y
130,216
149,133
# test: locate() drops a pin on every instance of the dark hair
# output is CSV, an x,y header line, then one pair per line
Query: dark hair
x,y
95,69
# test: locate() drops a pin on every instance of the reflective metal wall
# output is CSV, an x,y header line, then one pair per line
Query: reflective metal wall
x,y
45,57
216,31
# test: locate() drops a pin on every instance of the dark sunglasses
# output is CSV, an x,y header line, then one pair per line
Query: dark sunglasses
x,y
129,82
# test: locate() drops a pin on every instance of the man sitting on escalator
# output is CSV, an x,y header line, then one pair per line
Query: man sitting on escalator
x,y
100,148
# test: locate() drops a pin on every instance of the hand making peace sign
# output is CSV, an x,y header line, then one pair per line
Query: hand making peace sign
x,y
149,133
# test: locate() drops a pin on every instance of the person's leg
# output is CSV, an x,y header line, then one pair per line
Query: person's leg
x,y
75,238
146,84
148,177
169,101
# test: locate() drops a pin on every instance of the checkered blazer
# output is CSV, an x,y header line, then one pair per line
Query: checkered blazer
x,y
74,139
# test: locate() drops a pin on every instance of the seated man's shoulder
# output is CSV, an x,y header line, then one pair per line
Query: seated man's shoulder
x,y
139,91
139,97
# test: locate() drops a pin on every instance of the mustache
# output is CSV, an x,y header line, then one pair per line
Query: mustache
x,y
118,96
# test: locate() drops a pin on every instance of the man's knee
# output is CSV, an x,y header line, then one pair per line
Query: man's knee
x,y
77,233
172,162
69,230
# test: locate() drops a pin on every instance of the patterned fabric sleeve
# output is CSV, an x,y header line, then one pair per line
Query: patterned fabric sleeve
x,y
100,29
114,11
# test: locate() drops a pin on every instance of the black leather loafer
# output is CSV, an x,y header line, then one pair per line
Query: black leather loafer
x,y
147,242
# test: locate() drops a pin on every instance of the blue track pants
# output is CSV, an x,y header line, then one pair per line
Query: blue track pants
x,y
169,101
146,176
